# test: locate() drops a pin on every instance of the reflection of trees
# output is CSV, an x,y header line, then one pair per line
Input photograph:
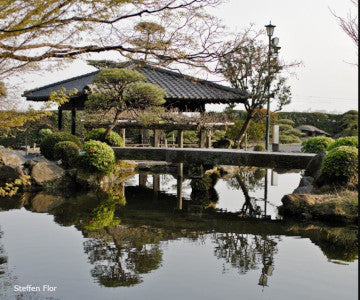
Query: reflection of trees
x,y
89,211
203,191
248,179
247,252
337,243
123,261
109,264
7,279
251,176
3,257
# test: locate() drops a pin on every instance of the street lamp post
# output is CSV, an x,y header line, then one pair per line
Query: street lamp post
x,y
270,32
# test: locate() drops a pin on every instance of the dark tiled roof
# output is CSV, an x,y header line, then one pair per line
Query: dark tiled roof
x,y
311,128
177,86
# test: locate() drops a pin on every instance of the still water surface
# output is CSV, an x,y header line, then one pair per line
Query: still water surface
x,y
90,247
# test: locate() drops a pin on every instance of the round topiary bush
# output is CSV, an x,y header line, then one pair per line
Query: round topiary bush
x,y
259,148
98,157
345,141
66,151
112,139
44,132
340,165
48,143
316,144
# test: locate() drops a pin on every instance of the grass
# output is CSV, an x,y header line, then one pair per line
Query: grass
x,y
338,206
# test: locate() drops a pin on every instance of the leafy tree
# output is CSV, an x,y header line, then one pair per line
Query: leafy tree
x,y
256,128
244,64
348,124
34,31
118,90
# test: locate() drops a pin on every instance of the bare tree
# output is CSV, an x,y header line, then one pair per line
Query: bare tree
x,y
349,24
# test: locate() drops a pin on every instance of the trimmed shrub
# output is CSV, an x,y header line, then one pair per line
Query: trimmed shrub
x,y
286,122
98,157
66,151
316,144
259,148
289,139
48,143
340,165
112,139
44,133
345,141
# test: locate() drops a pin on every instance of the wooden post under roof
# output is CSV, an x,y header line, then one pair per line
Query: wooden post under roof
x,y
202,138
208,138
123,134
180,138
156,142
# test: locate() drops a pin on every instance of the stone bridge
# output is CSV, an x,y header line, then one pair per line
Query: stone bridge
x,y
216,157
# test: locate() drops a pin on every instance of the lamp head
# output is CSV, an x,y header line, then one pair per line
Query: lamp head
x,y
270,29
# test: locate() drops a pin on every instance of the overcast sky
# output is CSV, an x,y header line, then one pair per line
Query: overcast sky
x,y
307,30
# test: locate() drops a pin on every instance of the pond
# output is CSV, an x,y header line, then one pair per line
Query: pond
x,y
173,236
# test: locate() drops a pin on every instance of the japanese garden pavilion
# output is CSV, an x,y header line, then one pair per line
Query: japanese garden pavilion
x,y
185,93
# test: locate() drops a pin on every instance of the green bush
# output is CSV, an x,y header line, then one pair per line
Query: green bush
x,y
44,133
286,122
66,151
112,139
316,144
345,141
289,139
48,143
340,165
259,148
98,157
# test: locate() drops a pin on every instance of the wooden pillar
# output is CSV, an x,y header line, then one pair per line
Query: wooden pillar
x,y
156,142
180,138
141,136
202,138
180,176
142,179
123,134
165,139
60,118
73,120
208,138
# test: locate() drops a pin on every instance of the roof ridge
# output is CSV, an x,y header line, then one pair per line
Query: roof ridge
x,y
58,82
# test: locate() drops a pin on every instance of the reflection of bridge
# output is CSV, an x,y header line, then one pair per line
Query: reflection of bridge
x,y
217,157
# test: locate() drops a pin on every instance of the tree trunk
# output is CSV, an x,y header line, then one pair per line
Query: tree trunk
x,y
113,124
244,128
247,206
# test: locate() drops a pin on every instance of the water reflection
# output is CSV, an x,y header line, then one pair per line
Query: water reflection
x,y
247,252
126,226
121,261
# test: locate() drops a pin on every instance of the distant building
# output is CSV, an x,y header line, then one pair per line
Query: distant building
x,y
312,130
